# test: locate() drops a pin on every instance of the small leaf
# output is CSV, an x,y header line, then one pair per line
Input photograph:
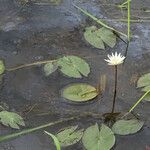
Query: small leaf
x,y
79,92
93,139
69,136
144,80
56,141
146,88
49,68
97,37
74,66
2,67
92,37
107,36
147,97
125,127
11,119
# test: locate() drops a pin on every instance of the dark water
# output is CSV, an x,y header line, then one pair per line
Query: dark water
x,y
39,31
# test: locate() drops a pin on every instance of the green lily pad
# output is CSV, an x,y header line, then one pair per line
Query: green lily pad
x,y
69,136
144,83
11,119
144,80
126,127
97,37
74,66
95,139
2,67
49,68
79,92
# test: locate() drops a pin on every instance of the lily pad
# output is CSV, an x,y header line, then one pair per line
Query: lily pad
x,y
144,82
11,119
79,92
97,37
69,136
2,67
95,139
74,66
49,68
126,127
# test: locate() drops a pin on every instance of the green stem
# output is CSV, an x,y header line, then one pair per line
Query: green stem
x,y
129,19
123,4
29,65
26,131
99,21
138,101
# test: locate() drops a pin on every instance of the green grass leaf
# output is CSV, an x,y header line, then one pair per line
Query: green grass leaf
x,y
69,136
56,141
11,119
95,139
126,127
79,92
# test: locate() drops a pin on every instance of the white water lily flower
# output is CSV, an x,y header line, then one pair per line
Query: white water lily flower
x,y
115,59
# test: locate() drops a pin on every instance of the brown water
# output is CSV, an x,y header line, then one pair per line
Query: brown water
x,y
39,31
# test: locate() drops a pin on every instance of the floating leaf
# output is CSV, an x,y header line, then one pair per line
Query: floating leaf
x,y
74,66
2,67
56,141
97,37
125,127
147,97
91,35
79,92
11,119
50,67
144,82
107,36
93,139
69,136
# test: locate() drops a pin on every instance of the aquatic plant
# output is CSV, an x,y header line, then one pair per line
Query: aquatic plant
x,y
115,60
71,66
95,136
56,141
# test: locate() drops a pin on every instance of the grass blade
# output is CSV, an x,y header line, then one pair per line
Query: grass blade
x,y
99,21
27,131
56,141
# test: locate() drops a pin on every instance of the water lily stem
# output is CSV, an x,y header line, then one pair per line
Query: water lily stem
x,y
115,90
31,64
129,18
138,101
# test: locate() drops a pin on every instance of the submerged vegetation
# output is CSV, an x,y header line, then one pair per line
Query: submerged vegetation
x,y
94,137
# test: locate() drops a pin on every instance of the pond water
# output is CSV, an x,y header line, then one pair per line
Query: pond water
x,y
40,30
